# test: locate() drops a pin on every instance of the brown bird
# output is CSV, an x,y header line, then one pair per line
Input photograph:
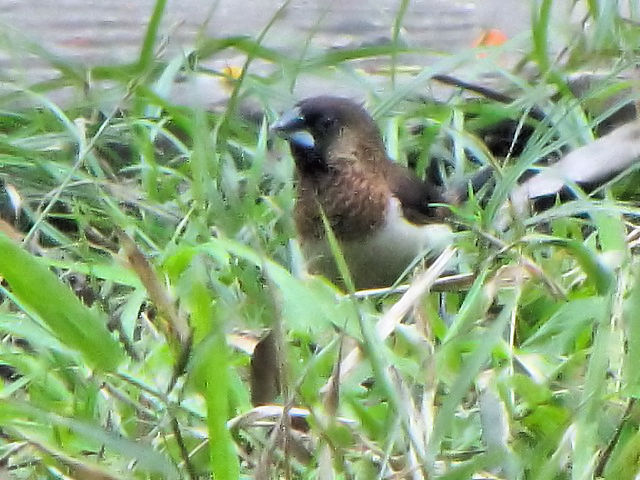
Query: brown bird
x,y
379,211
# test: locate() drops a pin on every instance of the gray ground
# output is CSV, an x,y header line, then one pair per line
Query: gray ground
x,y
93,32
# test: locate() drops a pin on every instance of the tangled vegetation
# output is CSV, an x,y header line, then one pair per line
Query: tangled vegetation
x,y
146,247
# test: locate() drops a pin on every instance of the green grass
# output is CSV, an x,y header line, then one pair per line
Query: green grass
x,y
173,227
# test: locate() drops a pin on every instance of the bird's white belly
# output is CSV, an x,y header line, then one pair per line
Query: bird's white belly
x,y
380,258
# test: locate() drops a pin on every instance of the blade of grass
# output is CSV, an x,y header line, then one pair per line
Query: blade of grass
x,y
212,371
147,53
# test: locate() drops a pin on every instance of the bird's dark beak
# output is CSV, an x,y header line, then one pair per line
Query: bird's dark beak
x,y
290,121
291,126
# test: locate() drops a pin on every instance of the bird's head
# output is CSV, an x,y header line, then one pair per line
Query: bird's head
x,y
324,125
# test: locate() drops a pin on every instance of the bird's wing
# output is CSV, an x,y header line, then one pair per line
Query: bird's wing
x,y
420,199
416,197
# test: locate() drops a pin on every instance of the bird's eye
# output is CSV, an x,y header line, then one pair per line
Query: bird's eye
x,y
326,123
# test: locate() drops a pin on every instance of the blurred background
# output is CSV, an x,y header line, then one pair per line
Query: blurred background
x,y
93,33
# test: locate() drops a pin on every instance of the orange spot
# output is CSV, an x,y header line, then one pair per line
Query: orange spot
x,y
490,38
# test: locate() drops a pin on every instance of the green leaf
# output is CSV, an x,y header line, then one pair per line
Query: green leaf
x,y
39,292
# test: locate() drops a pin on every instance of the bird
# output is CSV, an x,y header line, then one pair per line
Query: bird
x,y
382,215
